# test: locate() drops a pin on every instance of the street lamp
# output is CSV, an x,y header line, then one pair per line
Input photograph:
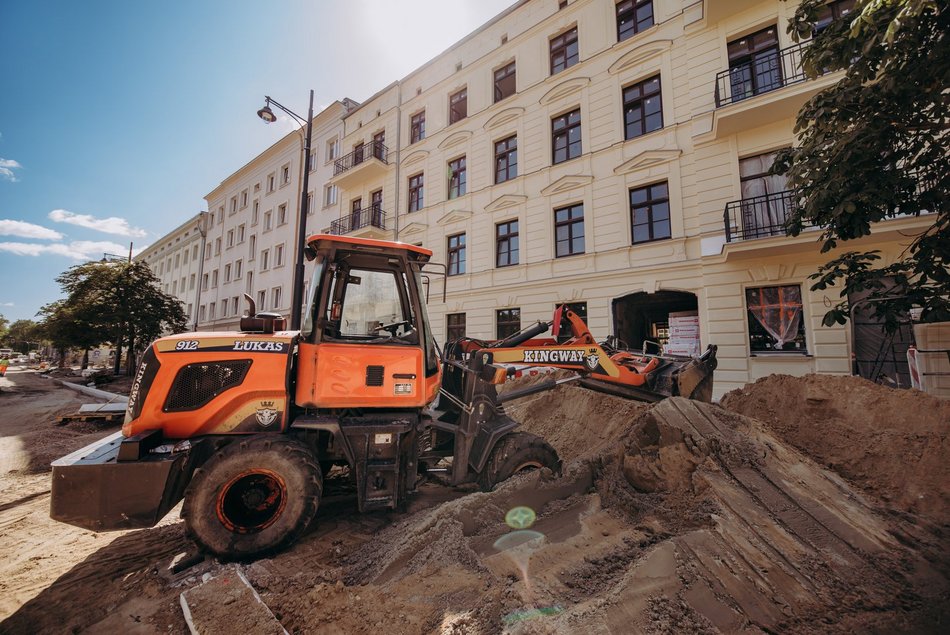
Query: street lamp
x,y
267,115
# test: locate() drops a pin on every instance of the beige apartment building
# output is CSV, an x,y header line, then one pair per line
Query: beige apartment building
x,y
612,155
253,216
176,259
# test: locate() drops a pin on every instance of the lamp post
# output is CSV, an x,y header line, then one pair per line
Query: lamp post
x,y
203,231
265,113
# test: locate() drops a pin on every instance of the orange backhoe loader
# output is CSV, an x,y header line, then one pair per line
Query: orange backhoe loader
x,y
244,425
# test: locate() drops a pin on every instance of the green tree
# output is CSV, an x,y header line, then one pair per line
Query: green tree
x,y
20,334
112,302
874,146
3,325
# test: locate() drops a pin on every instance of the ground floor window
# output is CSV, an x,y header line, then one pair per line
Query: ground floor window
x,y
454,326
507,322
776,323
564,332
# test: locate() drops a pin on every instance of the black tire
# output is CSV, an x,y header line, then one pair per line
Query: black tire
x,y
253,497
515,453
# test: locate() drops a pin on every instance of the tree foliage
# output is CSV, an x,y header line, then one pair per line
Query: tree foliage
x,y
110,302
874,146
20,334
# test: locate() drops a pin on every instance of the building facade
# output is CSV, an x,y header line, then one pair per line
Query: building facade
x,y
615,156
253,216
176,259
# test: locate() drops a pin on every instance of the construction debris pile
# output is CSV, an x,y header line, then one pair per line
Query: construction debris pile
x,y
803,505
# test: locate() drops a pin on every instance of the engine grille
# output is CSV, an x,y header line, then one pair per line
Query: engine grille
x,y
374,375
197,384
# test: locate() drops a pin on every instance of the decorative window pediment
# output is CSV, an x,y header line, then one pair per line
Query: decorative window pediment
x,y
454,216
454,139
564,89
567,183
640,54
413,228
505,116
505,201
415,157
646,159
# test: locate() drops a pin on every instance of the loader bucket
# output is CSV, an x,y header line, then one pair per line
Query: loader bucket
x,y
695,379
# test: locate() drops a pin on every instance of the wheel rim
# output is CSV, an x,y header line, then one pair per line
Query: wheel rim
x,y
251,501
528,465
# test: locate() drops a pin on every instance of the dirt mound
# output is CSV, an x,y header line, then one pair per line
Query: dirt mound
x,y
892,443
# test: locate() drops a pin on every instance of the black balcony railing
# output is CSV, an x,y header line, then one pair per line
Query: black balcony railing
x,y
759,216
767,72
371,150
369,217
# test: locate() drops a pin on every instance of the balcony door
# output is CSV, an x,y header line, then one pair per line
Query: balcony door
x,y
376,205
754,64
356,208
765,206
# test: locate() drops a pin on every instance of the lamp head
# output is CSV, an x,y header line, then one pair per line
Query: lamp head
x,y
267,114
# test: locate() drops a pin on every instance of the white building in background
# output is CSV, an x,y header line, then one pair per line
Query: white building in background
x,y
253,217
176,260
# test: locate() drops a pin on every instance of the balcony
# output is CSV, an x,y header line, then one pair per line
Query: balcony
x,y
759,216
770,88
365,162
366,223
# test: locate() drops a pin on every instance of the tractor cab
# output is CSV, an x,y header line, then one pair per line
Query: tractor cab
x,y
365,340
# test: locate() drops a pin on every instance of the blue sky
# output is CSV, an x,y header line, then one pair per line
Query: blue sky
x,y
117,117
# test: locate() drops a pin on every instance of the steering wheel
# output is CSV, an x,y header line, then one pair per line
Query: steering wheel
x,y
392,328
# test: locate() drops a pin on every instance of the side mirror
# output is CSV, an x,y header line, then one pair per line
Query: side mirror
x,y
309,253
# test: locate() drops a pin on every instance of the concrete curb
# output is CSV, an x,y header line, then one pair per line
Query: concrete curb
x,y
93,392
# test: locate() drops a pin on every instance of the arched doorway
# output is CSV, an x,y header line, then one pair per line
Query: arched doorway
x,y
643,316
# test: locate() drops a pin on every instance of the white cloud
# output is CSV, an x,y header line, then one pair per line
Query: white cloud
x,y
76,250
7,166
7,304
27,230
111,225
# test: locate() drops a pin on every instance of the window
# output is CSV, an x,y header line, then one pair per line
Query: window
x,y
217,246
454,326
309,203
333,149
250,281
252,247
240,233
329,195
275,297
255,213
506,243
504,82
754,65
177,260
633,16
278,255
268,221
775,319
265,259
457,178
564,51
416,193
271,182
285,174
227,272
566,136
243,199
642,108
379,145
763,210
194,252
214,278
564,331
191,282
458,106
261,300
417,127
312,160
506,159
832,11
204,282
201,313
211,308
208,251
184,256
456,257
650,212
174,287
234,200
220,214
282,214
238,265
569,230
230,238
507,322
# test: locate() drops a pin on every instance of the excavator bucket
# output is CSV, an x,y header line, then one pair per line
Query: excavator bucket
x,y
695,379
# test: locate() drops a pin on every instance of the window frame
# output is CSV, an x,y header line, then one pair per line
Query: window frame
x,y
507,155
570,222
416,192
757,331
648,205
417,127
631,8
501,74
639,103
511,323
561,128
457,173
456,251
452,330
559,46
456,112
503,243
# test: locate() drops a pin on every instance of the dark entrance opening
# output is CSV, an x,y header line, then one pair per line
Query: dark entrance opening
x,y
646,316
879,356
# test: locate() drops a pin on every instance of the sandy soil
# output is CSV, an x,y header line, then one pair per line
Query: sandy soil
x,y
679,517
